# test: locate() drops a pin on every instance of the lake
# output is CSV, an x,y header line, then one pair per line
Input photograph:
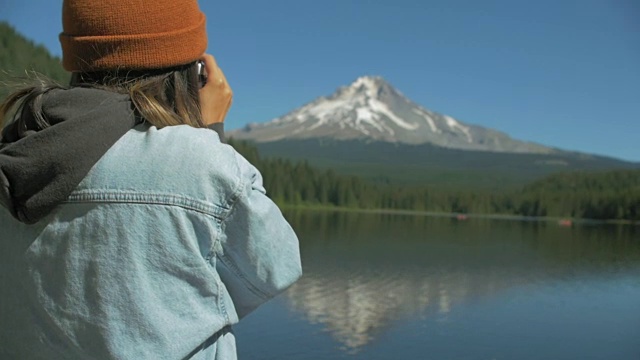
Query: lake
x,y
381,286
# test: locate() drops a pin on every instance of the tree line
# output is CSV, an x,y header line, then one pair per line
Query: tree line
x,y
610,195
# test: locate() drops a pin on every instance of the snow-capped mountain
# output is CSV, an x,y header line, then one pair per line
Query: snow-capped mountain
x,y
371,109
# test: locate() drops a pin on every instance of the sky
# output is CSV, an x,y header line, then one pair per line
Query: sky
x,y
562,73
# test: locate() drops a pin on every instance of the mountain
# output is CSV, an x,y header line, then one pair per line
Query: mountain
x,y
369,129
371,109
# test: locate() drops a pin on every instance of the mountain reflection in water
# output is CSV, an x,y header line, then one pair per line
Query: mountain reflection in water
x,y
365,273
357,307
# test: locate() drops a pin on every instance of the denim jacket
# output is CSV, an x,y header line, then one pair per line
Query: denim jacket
x,y
168,241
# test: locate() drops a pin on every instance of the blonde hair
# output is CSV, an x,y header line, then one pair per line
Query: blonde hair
x,y
165,97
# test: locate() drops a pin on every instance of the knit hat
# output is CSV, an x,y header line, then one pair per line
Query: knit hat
x,y
131,34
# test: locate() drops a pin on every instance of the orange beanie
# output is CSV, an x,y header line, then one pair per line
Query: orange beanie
x,y
131,34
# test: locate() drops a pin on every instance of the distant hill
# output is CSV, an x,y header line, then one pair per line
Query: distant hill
x,y
426,164
602,195
17,54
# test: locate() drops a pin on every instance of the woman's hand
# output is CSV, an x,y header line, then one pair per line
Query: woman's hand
x,y
216,95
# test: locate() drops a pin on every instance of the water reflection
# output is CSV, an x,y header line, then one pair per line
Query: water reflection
x,y
356,307
365,273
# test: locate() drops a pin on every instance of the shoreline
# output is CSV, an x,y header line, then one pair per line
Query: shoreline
x,y
555,219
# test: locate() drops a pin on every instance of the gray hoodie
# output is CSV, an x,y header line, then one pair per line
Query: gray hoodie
x,y
40,167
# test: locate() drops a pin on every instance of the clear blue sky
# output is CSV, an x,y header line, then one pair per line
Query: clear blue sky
x,y
564,73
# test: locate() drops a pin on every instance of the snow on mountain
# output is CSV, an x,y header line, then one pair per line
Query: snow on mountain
x,y
371,109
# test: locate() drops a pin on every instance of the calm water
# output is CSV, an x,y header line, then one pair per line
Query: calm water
x,y
411,287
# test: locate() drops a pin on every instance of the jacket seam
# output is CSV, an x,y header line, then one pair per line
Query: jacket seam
x,y
151,198
227,260
211,256
235,195
253,288
221,304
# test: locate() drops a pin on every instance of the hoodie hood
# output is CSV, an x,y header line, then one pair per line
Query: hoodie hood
x,y
40,168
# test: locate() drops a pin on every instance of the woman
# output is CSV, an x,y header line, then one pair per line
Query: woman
x,y
128,229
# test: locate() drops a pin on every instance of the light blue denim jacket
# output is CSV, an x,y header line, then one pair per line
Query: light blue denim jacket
x,y
168,241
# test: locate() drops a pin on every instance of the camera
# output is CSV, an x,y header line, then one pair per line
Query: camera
x,y
202,73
